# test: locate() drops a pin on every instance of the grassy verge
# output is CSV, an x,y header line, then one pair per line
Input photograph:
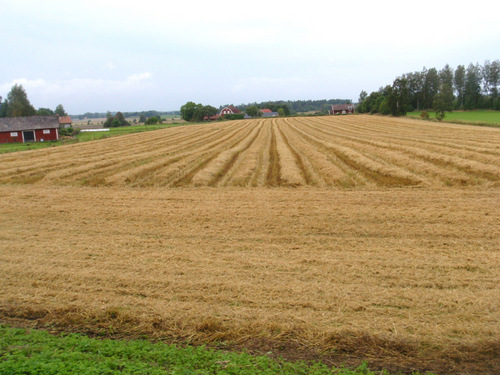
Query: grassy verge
x,y
485,118
83,137
36,352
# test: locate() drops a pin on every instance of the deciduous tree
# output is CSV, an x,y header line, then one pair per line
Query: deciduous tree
x,y
17,103
121,119
44,112
60,110
472,86
188,110
459,82
204,111
431,88
445,95
253,111
152,121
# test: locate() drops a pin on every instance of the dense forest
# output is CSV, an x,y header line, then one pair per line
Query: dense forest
x,y
474,87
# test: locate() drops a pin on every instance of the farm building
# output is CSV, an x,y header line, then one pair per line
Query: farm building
x,y
29,129
228,110
268,113
265,113
342,109
65,122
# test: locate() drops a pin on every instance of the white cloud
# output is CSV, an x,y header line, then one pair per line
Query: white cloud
x,y
49,93
139,77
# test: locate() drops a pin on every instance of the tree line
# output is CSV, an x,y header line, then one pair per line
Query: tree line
x,y
17,104
474,87
292,107
147,114
192,111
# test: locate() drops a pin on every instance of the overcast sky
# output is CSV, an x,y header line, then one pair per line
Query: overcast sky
x,y
99,55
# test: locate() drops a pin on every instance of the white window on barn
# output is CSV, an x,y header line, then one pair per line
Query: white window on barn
x,y
46,131
13,134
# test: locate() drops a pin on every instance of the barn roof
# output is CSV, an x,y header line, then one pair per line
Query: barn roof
x,y
266,110
28,123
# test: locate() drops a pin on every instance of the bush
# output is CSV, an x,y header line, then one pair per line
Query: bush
x,y
424,115
68,132
234,116
440,115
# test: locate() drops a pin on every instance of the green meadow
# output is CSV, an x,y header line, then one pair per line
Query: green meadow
x,y
485,118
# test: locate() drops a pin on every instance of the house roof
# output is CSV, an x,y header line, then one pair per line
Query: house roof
x,y
65,120
234,109
266,110
28,123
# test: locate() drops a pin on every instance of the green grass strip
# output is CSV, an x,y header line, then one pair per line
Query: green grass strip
x,y
84,137
484,118
38,352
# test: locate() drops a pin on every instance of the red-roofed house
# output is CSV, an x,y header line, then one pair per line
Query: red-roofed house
x,y
65,122
266,112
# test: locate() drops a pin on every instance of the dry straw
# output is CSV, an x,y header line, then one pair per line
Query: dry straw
x,y
386,246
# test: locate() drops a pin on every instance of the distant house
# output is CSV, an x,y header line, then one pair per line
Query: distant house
x,y
228,110
65,122
268,113
342,109
29,129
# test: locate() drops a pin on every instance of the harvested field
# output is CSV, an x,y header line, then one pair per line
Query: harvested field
x,y
346,237
346,152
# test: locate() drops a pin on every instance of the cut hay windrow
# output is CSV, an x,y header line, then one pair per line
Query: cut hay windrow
x,y
250,162
336,152
289,173
221,165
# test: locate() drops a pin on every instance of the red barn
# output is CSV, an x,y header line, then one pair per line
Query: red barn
x,y
342,109
29,129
